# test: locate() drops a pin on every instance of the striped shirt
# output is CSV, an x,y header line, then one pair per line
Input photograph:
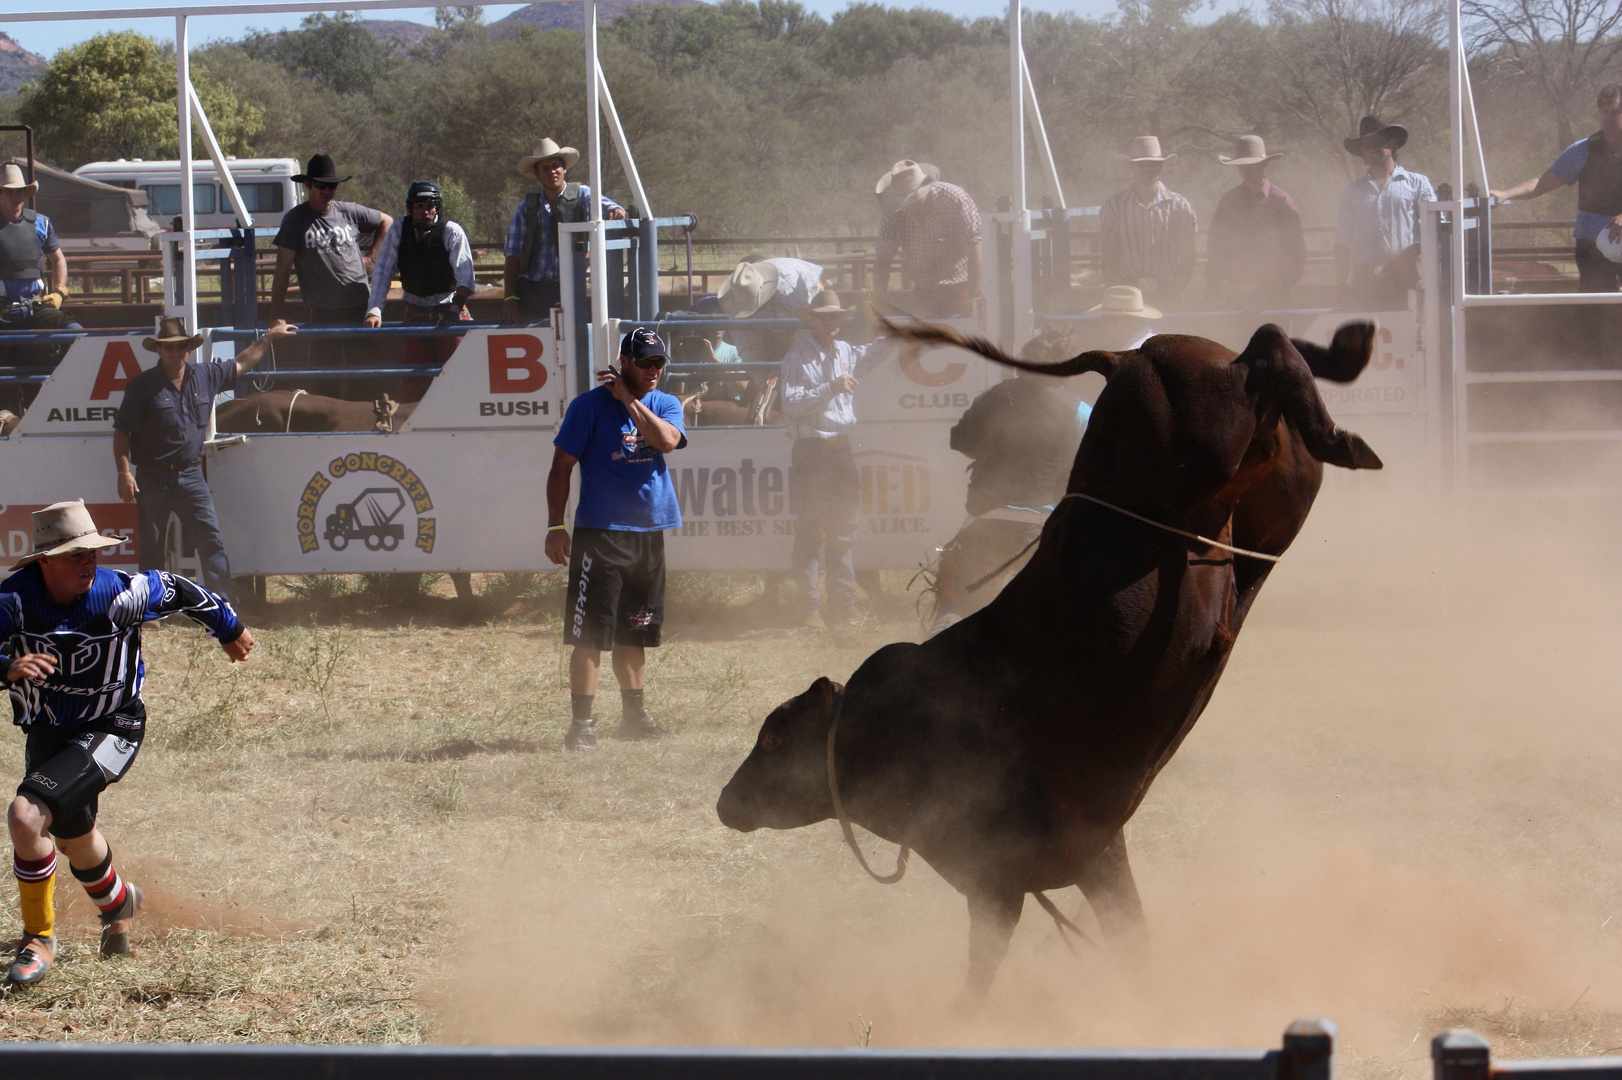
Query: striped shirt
x,y
1147,240
1379,220
936,235
543,264
96,639
387,261
811,409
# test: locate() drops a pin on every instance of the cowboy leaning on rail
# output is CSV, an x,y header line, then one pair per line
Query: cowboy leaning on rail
x,y
70,647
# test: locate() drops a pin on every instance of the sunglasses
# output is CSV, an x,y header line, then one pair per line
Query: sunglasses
x,y
649,363
319,186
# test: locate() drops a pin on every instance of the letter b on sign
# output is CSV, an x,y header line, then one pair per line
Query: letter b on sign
x,y
515,364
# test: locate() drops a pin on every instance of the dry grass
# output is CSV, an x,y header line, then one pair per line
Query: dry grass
x,y
370,833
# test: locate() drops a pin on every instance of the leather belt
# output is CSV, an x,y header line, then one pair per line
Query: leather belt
x,y
162,466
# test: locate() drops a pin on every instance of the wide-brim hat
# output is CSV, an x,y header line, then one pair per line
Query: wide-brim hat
x,y
320,171
172,331
544,149
826,302
905,183
1147,148
1372,128
63,528
1125,300
11,179
749,287
1249,150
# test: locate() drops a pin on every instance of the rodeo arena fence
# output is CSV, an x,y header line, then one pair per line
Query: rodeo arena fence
x,y
1458,405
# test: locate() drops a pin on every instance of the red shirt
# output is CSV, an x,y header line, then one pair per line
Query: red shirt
x,y
1255,251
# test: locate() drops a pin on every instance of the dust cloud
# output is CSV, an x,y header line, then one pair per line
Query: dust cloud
x,y
1399,811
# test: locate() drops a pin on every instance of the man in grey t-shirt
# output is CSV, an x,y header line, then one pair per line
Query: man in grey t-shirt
x,y
321,238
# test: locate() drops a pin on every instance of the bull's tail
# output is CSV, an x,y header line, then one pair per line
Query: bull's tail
x,y
1064,924
922,333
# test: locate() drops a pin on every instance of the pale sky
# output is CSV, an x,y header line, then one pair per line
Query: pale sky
x,y
45,38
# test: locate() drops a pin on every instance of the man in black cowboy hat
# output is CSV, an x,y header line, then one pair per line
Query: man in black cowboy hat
x,y
1377,240
160,428
1594,164
322,238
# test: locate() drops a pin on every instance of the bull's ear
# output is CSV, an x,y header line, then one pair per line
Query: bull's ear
x,y
1348,353
1279,379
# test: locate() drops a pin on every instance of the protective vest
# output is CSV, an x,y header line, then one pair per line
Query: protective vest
x,y
1599,185
425,265
20,249
570,207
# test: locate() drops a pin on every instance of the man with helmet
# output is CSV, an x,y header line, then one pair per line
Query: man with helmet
x,y
435,265
1594,164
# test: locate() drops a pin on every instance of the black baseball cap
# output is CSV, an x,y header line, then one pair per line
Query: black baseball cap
x,y
641,344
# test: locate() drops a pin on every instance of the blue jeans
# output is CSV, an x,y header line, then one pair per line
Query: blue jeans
x,y
828,503
185,494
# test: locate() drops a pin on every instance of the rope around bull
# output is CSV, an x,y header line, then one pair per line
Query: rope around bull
x,y
844,819
1219,545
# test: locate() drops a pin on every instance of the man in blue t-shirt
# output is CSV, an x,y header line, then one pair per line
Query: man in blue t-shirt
x,y
619,433
1594,164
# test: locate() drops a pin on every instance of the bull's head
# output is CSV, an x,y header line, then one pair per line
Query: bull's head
x,y
783,783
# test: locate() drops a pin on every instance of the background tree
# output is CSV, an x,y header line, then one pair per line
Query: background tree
x,y
113,96
333,50
1562,50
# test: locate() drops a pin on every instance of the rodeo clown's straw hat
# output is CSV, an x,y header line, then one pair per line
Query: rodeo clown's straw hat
x,y
63,528
544,149
826,302
1147,148
1249,150
905,183
11,179
749,287
1372,131
172,331
1125,300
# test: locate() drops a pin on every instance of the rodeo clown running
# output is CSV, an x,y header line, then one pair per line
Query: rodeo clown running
x,y
70,647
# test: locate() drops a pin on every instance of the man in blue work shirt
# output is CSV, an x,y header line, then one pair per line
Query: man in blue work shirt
x,y
530,274
70,652
1594,164
1377,240
619,433
160,428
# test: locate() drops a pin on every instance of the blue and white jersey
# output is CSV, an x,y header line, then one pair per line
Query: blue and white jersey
x,y
95,641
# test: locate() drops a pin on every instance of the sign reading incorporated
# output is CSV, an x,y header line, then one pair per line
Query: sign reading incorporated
x,y
369,495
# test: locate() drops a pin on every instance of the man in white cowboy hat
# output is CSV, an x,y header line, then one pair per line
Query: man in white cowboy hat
x,y
1594,164
530,274
70,652
321,237
28,244
768,289
160,427
1146,232
1256,251
936,228
1377,237
818,384
1127,322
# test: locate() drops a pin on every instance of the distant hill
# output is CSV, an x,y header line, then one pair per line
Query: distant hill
x,y
569,16
401,31
17,65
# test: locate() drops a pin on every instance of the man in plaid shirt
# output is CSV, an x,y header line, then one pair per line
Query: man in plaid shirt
x,y
530,274
936,228
1146,233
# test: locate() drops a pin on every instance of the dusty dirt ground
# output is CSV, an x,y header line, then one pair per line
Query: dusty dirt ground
x,y
1400,811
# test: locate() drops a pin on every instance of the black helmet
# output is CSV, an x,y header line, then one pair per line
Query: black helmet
x,y
424,191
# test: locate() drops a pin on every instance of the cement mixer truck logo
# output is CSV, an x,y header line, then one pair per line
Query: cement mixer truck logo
x,y
370,500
